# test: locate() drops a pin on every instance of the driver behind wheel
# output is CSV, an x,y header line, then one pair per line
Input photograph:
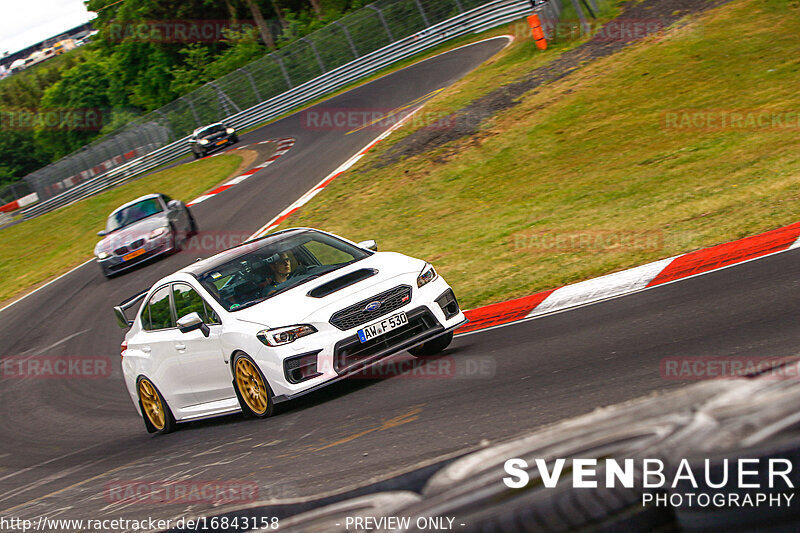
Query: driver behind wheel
x,y
281,268
274,271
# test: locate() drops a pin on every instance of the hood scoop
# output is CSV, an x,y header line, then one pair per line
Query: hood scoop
x,y
351,278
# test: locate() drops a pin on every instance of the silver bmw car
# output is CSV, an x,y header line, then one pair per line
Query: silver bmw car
x,y
147,227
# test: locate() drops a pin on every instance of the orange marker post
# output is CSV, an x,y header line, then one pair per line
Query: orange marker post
x,y
536,30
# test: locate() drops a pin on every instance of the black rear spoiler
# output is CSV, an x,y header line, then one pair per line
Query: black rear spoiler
x,y
119,310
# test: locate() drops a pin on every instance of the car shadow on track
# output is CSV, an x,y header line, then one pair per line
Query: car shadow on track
x,y
400,366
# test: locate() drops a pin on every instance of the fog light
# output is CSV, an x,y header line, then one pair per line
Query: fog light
x,y
301,367
447,301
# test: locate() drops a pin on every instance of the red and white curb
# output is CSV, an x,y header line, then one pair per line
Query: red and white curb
x,y
19,203
284,145
635,279
300,202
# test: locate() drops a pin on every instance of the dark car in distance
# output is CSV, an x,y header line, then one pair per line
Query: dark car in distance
x,y
149,226
210,138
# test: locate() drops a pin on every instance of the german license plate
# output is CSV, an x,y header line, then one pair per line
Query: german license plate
x,y
133,255
379,328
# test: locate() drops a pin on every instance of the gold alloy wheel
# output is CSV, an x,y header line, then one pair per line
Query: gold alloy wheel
x,y
151,403
251,386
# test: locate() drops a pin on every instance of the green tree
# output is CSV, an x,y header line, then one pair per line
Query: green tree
x,y
81,90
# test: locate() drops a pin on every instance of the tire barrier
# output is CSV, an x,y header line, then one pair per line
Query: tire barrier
x,y
716,422
758,424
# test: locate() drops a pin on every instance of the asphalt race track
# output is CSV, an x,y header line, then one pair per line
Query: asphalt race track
x,y
64,440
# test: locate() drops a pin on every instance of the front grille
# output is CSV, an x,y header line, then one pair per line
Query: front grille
x,y
355,315
348,353
122,250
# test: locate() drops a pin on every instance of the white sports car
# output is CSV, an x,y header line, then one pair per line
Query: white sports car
x,y
275,318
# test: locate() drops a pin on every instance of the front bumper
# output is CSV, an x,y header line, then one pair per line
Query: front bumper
x,y
218,144
372,359
114,264
340,353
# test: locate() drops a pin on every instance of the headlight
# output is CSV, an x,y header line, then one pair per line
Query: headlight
x,y
203,141
229,131
427,275
103,255
281,336
158,232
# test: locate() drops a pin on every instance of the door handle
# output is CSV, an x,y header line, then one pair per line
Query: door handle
x,y
180,347
146,349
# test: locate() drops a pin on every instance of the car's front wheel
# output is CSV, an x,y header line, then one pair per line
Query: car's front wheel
x,y
155,411
252,390
433,346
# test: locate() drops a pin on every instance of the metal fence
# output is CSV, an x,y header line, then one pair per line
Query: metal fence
x,y
351,48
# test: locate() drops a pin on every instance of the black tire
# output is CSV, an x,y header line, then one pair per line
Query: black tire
x,y
765,517
234,139
476,496
196,155
176,242
256,399
470,488
756,421
192,223
433,346
152,422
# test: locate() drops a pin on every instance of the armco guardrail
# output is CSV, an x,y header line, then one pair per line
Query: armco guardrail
x,y
481,18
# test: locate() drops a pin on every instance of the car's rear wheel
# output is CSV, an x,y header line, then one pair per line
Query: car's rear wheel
x,y
155,411
254,394
433,346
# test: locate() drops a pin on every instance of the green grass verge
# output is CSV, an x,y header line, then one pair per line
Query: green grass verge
x,y
37,250
590,155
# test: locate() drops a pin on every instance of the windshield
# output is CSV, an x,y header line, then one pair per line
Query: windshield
x,y
275,266
133,213
209,130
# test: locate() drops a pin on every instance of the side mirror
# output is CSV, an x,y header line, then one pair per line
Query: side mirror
x,y
191,322
369,245
122,320
174,204
101,233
